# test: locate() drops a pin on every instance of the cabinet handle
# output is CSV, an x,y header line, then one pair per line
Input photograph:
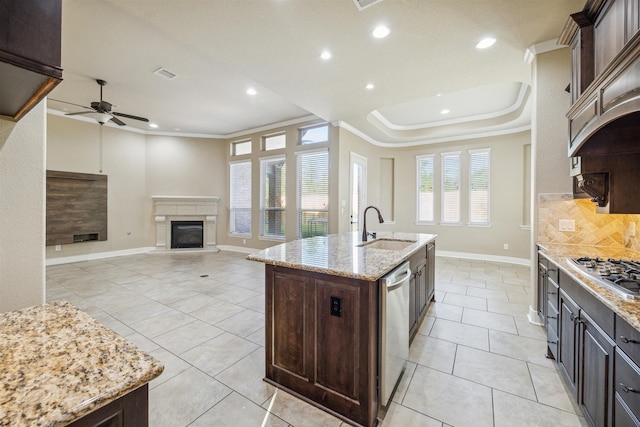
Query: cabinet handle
x,y
628,389
552,342
552,317
627,340
552,293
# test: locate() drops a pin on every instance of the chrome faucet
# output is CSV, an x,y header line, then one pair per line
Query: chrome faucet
x,y
364,223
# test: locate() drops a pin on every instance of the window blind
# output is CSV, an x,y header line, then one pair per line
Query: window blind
x,y
240,198
313,193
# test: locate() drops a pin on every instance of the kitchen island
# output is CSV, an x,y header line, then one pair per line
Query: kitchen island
x,y
322,318
59,366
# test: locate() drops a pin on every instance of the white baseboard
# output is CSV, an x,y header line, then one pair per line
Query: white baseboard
x,y
241,249
533,317
484,257
98,255
134,251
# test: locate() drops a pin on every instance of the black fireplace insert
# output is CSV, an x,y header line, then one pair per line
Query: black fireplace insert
x,y
186,234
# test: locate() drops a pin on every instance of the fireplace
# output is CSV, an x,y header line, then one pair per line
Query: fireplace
x,y
195,218
186,234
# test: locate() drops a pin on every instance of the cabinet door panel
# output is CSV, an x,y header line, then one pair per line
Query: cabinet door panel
x,y
595,380
609,34
337,338
568,338
290,317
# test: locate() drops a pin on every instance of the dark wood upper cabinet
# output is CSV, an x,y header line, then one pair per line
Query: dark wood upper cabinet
x,y
604,119
30,53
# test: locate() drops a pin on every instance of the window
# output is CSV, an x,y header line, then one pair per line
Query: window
x,y
425,202
240,147
240,198
313,135
313,193
479,167
274,142
273,179
451,188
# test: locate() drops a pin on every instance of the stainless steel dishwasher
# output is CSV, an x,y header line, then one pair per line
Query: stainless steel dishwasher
x,y
394,328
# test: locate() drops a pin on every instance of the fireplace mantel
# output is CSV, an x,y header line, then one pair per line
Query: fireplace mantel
x,y
185,208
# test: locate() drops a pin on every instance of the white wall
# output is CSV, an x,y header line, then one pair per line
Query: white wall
x,y
22,208
507,195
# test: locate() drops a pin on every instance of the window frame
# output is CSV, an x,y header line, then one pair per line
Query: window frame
x,y
234,144
443,211
471,154
274,135
300,130
263,209
231,204
300,154
433,189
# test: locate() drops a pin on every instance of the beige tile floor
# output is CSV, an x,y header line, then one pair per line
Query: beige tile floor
x,y
475,361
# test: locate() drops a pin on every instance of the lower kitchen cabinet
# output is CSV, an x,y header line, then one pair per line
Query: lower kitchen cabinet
x,y
422,285
594,372
585,350
627,375
322,340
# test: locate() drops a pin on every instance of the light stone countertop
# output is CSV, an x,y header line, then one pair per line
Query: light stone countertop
x,y
341,255
58,364
628,310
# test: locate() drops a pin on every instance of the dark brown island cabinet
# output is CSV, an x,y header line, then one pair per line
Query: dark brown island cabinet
x,y
328,355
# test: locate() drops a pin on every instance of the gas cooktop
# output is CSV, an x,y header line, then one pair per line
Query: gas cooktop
x,y
619,275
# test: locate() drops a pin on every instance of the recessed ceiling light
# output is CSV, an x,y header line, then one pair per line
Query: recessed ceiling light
x,y
251,91
325,55
485,43
438,94
381,31
153,125
370,86
176,129
445,111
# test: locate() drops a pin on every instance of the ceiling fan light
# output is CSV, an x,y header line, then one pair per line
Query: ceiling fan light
x,y
101,118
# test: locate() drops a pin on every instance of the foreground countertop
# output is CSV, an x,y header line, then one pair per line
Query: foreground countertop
x,y
559,254
58,364
341,255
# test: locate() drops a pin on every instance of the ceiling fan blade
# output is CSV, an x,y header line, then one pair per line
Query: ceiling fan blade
x,y
70,103
117,121
79,112
129,116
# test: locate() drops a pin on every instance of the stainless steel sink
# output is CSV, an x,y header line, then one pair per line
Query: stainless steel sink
x,y
388,244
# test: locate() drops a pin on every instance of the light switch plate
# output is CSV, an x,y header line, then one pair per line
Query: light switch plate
x,y
567,225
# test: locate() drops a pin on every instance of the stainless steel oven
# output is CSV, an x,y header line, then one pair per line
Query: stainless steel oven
x,y
394,328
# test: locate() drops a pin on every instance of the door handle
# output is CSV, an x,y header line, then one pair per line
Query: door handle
x,y
627,389
627,340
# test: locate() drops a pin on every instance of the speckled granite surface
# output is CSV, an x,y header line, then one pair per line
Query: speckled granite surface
x,y
558,254
58,364
340,255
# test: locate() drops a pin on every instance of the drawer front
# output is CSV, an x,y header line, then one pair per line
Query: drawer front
x,y
628,339
552,318
601,314
627,382
622,416
552,343
552,293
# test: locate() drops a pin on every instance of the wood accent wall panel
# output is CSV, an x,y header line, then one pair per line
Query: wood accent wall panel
x,y
76,205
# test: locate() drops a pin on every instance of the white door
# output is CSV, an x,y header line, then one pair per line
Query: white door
x,y
358,188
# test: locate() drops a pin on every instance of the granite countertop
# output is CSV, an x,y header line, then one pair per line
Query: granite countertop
x,y
58,364
341,255
629,310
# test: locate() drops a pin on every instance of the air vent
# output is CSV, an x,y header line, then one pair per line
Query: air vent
x,y
363,4
163,72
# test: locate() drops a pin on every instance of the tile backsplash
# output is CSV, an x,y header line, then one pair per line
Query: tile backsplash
x,y
590,228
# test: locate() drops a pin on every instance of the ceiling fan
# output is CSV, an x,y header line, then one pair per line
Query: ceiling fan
x,y
101,110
